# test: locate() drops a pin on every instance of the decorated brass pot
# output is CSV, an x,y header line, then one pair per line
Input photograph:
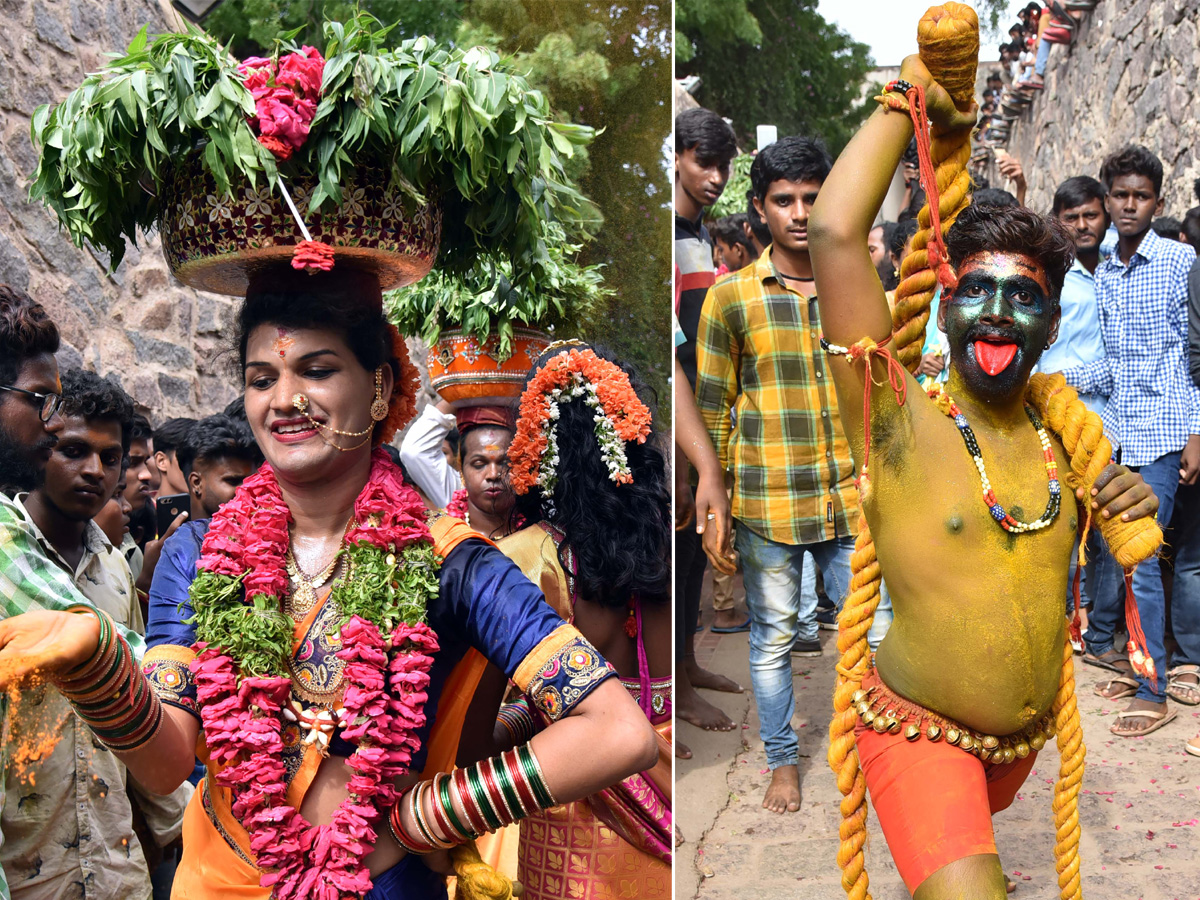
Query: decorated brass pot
x,y
466,372
215,242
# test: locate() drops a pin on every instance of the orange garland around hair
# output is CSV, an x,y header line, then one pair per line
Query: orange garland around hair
x,y
403,403
533,454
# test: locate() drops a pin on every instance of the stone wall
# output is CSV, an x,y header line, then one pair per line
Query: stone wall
x,y
1132,76
160,340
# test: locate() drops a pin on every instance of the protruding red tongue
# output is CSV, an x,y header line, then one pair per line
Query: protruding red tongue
x,y
994,358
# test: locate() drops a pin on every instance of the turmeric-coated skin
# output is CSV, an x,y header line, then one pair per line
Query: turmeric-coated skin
x,y
979,628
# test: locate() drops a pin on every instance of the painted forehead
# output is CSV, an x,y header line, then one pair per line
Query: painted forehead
x,y
1005,265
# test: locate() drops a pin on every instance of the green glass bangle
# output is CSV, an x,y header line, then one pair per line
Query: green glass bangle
x,y
504,779
482,801
443,786
533,773
101,644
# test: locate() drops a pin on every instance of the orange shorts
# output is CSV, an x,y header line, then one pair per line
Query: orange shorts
x,y
934,801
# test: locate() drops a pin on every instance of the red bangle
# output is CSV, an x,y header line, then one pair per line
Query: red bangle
x,y
494,793
524,788
474,816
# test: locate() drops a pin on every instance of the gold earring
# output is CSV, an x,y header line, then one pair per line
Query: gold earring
x,y
379,408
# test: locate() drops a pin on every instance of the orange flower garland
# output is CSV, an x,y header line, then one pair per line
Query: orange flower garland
x,y
568,376
403,404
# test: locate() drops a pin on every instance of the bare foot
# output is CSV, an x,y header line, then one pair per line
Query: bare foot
x,y
783,793
682,750
693,708
702,678
1009,885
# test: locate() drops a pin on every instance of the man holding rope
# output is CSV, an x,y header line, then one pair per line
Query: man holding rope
x,y
947,717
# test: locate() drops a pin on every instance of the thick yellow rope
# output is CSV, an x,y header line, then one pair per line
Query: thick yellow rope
x,y
477,880
1071,752
948,37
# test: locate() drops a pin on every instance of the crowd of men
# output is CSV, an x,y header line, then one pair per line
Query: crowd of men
x,y
91,493
1128,342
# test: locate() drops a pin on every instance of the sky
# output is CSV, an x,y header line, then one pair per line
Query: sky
x,y
889,27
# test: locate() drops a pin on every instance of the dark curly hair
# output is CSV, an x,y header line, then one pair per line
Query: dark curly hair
x,y
620,534
1013,229
25,330
1132,159
141,430
216,437
87,396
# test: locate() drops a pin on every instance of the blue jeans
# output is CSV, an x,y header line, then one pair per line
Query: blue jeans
x,y
1107,588
780,610
1043,57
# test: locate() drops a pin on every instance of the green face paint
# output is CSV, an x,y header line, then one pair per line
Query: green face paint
x,y
998,321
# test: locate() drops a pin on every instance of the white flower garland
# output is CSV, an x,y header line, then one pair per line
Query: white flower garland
x,y
612,448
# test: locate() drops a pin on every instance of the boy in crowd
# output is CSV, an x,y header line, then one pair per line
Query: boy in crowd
x,y
793,478
1153,415
141,482
733,243
75,824
219,455
168,438
704,150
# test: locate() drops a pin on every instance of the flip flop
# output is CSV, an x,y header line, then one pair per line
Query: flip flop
x,y
1193,746
1131,688
1160,719
733,629
1104,662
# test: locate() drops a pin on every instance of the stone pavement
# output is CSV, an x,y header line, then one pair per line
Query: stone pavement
x,y
1140,807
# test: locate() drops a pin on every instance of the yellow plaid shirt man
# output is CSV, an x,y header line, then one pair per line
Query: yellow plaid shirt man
x,y
758,353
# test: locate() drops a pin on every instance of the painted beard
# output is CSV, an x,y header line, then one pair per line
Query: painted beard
x,y
17,472
992,361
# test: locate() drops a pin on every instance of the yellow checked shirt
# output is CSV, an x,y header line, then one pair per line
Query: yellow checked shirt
x,y
758,353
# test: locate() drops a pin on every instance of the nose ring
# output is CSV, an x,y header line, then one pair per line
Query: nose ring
x,y
300,401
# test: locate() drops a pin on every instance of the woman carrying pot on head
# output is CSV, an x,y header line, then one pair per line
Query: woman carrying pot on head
x,y
591,481
322,657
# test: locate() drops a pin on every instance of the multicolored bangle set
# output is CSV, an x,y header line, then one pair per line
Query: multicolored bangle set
x,y
110,693
489,794
517,719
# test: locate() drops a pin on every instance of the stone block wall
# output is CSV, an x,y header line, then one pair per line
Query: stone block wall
x,y
1132,76
162,341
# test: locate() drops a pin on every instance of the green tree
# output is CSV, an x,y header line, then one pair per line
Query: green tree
x,y
806,76
608,65
723,20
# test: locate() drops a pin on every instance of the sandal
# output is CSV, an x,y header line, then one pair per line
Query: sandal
x,y
1129,688
1185,692
1158,720
1193,746
1110,660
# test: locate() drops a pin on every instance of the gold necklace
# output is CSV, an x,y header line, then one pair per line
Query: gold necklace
x,y
304,587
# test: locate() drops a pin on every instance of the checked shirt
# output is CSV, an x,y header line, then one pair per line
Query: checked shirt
x,y
1153,404
759,354
30,580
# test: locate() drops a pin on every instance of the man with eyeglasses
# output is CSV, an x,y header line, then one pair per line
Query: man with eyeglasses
x,y
29,396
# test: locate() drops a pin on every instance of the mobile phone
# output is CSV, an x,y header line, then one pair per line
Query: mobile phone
x,y
168,509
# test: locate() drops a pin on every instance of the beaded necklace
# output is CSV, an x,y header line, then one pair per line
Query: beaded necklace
x,y
998,512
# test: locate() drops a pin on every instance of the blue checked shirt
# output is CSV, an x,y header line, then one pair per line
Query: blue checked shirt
x,y
1153,407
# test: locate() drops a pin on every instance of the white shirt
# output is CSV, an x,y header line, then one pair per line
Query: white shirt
x,y
421,453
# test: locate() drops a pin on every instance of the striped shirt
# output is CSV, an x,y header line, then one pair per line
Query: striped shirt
x,y
1153,406
759,354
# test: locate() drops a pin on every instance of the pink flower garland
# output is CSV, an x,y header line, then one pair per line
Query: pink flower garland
x,y
383,704
457,507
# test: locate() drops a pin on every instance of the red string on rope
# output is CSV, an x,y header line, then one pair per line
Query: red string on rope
x,y
939,259
1139,653
896,373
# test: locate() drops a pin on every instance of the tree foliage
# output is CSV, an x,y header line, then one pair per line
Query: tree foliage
x,y
722,20
806,76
